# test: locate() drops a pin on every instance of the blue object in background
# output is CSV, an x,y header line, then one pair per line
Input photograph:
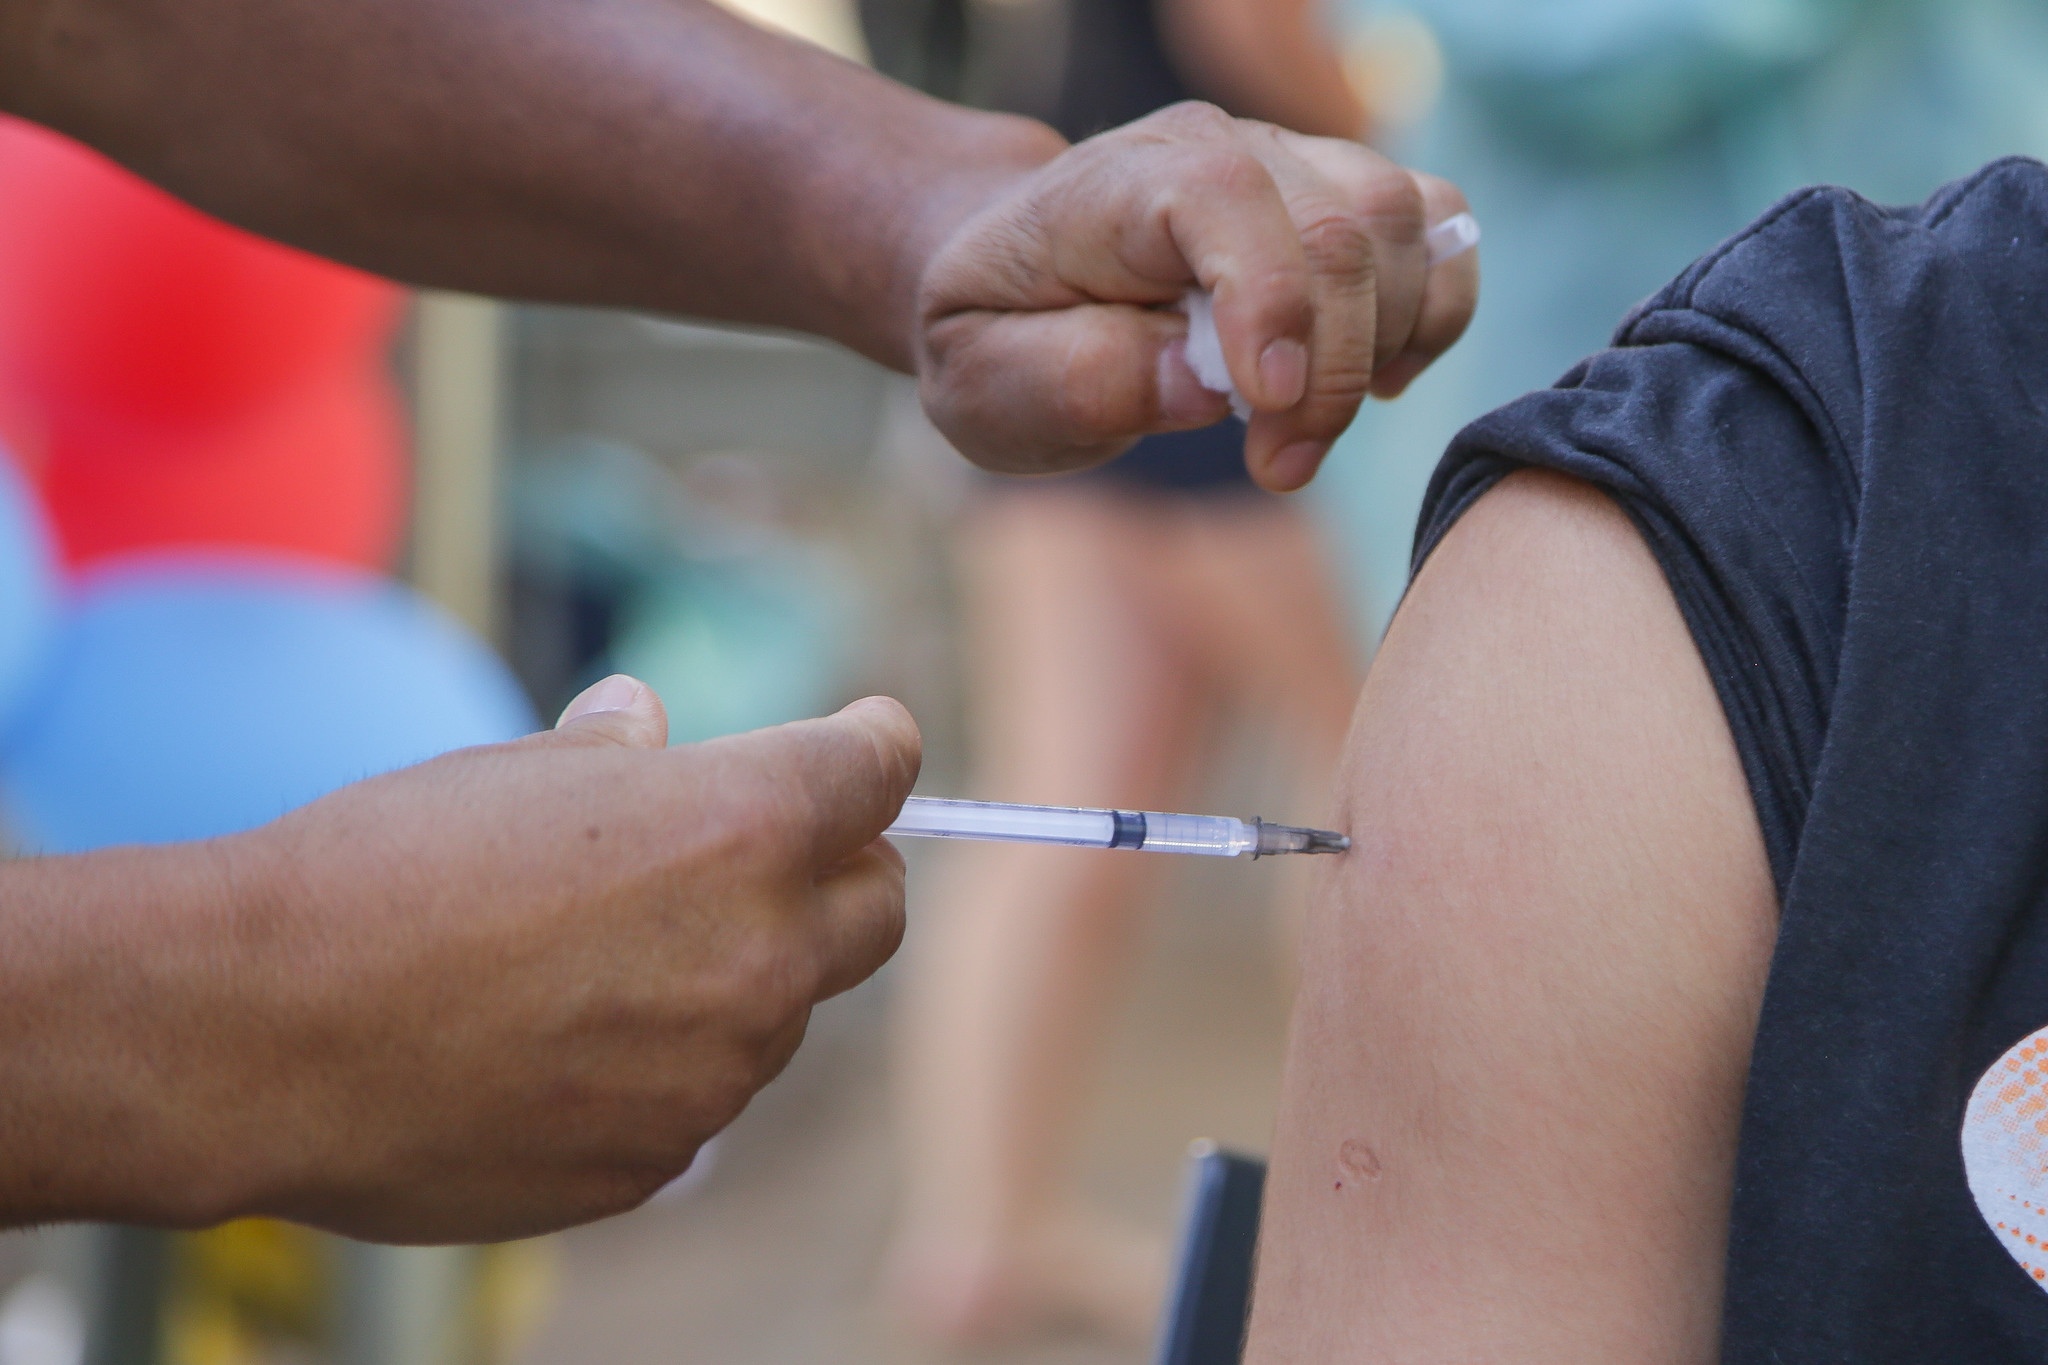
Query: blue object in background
x,y
195,695
28,587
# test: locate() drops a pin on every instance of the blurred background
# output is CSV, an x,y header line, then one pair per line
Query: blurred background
x,y
383,525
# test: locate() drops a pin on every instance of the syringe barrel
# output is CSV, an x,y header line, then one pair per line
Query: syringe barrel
x,y
995,820
1217,835
1156,831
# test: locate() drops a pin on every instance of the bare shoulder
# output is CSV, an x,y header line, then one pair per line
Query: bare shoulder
x,y
1509,1117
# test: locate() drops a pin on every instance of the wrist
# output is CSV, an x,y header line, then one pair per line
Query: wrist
x,y
126,1087
996,155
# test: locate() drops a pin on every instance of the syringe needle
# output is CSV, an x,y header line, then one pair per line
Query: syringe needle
x,y
1297,839
1092,827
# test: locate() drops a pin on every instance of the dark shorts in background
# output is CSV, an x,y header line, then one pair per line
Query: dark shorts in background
x,y
1210,460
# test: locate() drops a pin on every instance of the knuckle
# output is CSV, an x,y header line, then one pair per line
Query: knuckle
x,y
1337,395
1336,390
892,921
732,1084
767,983
1395,204
1193,119
1337,243
1233,171
876,915
1341,378
944,388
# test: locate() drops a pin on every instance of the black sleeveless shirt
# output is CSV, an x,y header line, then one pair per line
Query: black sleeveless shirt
x,y
1833,433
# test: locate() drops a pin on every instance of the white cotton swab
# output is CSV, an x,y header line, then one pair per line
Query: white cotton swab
x,y
1454,236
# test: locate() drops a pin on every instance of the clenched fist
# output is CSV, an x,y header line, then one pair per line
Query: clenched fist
x,y
1048,340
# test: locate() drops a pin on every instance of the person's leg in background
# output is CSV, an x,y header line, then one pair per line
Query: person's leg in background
x,y
1078,700
1256,601
1530,990
1109,629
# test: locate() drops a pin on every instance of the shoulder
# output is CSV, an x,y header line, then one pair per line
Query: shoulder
x,y
1829,294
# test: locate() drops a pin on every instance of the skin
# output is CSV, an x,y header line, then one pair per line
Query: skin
x,y
663,154
578,953
1529,992
437,1007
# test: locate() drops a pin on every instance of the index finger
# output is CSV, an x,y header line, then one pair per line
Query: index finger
x,y
840,780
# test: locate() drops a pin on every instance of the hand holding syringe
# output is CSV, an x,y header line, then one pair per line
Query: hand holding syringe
x,y
1454,236
1218,836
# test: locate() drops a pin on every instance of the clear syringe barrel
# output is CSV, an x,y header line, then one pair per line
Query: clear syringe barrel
x,y
1157,831
1214,834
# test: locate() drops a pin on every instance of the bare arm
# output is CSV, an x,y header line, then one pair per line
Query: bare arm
x,y
1512,1094
655,153
663,154
501,992
1267,59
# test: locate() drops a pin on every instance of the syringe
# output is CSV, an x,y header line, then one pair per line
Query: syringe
x,y
1218,836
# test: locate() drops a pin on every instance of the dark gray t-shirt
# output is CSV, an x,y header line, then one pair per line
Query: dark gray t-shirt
x,y
1833,433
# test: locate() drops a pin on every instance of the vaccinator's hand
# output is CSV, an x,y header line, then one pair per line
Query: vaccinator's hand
x,y
1048,340
505,991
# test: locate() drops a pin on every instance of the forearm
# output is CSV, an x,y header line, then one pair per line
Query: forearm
x,y
645,153
117,980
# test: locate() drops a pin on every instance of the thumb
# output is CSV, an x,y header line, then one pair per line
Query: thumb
x,y
843,776
616,710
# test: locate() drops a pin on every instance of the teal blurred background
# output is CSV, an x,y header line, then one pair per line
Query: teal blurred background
x,y
1604,144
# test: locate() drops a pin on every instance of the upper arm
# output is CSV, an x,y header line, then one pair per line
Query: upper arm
x,y
1515,1078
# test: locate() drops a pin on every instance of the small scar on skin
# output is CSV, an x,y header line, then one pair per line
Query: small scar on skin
x,y
1355,1159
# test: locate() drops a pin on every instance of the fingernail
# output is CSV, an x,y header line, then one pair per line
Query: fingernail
x,y
1182,399
616,693
1296,464
1283,370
